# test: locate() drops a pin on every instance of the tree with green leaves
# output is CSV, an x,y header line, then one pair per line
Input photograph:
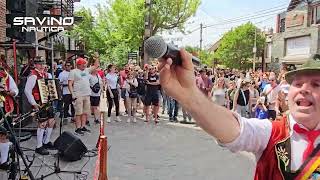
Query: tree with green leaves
x,y
168,14
118,28
206,57
236,48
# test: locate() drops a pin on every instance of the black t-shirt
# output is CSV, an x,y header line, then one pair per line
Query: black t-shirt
x,y
141,86
152,79
241,100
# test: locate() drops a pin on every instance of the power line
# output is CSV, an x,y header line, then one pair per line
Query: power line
x,y
277,9
262,13
273,12
233,22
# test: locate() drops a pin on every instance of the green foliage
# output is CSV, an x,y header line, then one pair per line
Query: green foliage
x,y
206,57
236,49
169,14
118,28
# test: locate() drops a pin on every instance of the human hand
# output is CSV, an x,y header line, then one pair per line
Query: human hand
x,y
111,95
36,107
178,81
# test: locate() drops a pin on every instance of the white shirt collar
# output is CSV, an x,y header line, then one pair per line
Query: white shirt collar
x,y
293,122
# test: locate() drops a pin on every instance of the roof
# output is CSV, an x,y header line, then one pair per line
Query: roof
x,y
293,4
215,46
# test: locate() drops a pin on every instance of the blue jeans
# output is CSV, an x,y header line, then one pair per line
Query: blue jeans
x,y
173,105
164,101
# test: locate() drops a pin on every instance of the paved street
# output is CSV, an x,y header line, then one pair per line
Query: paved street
x,y
145,151
171,152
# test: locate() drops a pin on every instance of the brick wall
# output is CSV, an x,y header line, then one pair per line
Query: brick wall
x,y
2,20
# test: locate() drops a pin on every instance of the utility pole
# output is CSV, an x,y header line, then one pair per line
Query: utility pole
x,y
255,50
147,28
201,29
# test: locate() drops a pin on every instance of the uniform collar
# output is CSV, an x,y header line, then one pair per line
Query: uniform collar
x,y
292,122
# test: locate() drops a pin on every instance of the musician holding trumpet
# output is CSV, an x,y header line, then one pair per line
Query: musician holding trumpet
x,y
46,119
8,90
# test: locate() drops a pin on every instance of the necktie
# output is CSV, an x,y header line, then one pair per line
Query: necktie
x,y
311,137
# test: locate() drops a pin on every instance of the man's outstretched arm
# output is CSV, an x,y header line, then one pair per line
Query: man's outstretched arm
x,y
179,83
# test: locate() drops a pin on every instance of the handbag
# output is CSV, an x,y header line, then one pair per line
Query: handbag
x,y
96,87
133,93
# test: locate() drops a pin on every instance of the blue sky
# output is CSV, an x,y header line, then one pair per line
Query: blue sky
x,y
216,12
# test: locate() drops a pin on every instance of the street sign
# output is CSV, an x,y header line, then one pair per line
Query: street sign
x,y
132,57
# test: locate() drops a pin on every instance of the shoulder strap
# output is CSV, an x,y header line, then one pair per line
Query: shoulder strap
x,y
244,97
271,90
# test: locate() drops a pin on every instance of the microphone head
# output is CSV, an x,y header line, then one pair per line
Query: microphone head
x,y
155,46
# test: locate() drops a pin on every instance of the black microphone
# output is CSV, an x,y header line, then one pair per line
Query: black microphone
x,y
156,47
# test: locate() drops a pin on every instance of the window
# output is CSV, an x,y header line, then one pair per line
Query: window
x,y
316,15
282,25
298,46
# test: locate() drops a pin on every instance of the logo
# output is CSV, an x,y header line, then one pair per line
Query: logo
x,y
45,24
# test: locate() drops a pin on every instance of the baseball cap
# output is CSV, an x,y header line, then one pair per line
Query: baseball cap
x,y
81,61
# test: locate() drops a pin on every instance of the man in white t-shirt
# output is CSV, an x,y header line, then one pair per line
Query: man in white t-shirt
x,y
79,87
66,95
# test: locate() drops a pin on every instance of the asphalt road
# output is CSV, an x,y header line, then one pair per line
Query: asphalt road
x,y
145,151
168,151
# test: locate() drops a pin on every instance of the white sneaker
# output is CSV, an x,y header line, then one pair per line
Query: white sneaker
x,y
118,119
128,121
134,120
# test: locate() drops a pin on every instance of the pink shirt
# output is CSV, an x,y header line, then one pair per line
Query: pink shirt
x,y
123,77
202,84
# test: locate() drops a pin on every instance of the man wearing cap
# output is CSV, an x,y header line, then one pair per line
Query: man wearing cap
x,y
46,116
284,149
79,87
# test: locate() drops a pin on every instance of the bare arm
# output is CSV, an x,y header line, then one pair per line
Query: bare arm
x,y
215,120
179,83
250,103
95,65
154,83
264,107
70,87
235,99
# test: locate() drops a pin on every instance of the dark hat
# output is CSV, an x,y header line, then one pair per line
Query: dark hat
x,y
311,66
39,60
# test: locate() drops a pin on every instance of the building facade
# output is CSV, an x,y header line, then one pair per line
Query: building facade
x,y
297,33
2,22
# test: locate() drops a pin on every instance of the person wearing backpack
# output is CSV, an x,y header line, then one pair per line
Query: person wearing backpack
x,y
131,85
96,84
